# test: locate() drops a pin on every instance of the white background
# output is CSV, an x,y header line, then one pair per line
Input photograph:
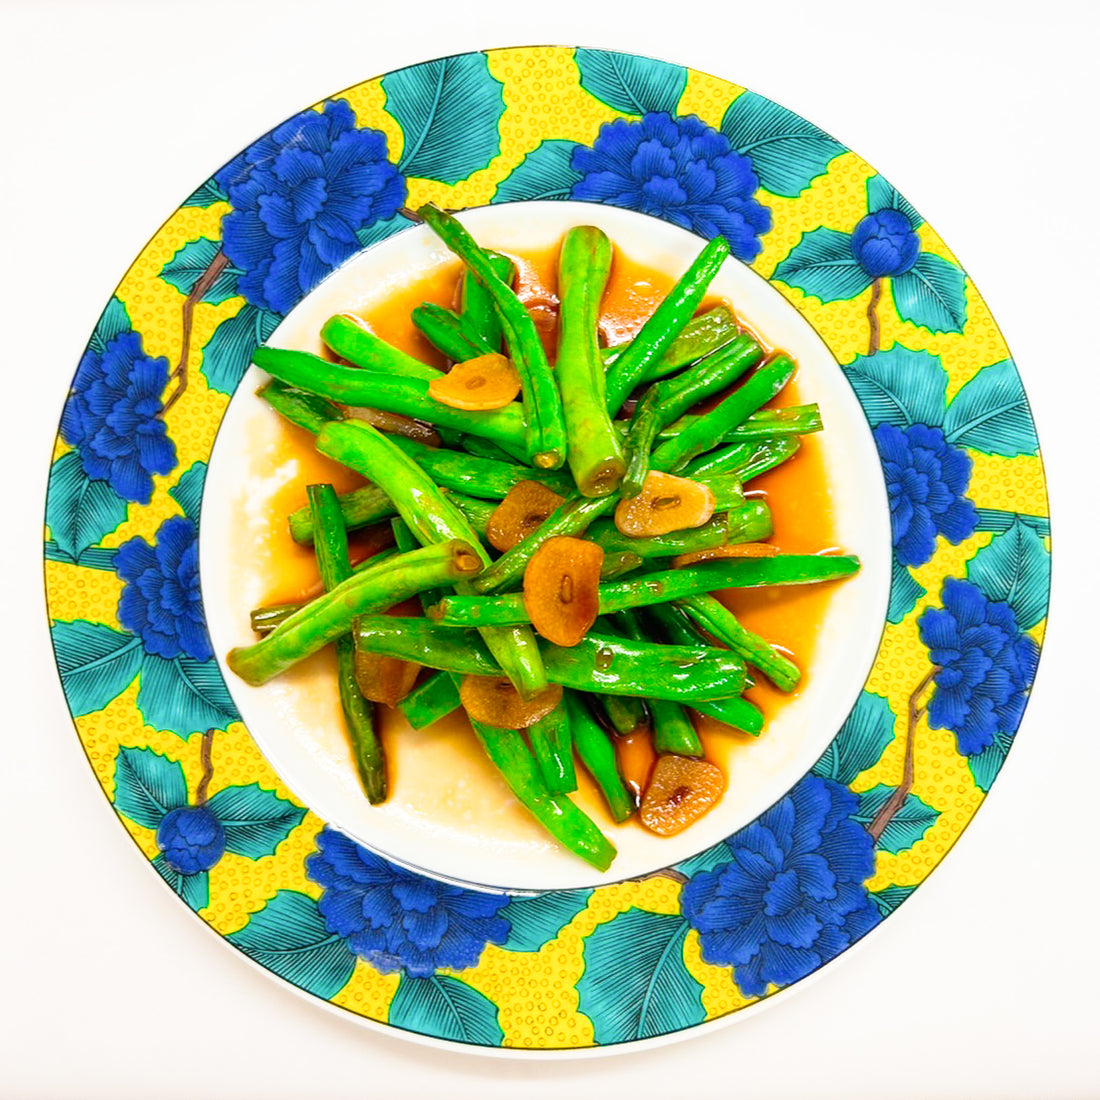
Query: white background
x,y
984,115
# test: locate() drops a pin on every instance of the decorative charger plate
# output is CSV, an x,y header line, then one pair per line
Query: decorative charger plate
x,y
717,932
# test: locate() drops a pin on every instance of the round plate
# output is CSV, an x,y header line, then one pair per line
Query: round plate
x,y
718,931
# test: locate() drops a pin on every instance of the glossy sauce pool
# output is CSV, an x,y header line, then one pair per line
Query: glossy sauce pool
x,y
789,617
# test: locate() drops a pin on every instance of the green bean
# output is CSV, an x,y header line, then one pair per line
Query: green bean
x,y
661,587
477,315
619,562
735,711
432,518
717,620
551,741
265,619
595,455
672,728
305,410
556,813
704,333
331,548
765,424
762,385
598,755
373,389
569,518
665,324
468,474
542,409
430,700
715,532
598,663
324,619
745,460
667,400
486,448
351,340
368,504
625,712
443,329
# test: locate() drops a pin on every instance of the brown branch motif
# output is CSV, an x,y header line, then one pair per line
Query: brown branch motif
x,y
917,706
204,282
206,755
875,337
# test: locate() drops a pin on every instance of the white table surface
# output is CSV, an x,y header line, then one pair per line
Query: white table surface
x,y
984,984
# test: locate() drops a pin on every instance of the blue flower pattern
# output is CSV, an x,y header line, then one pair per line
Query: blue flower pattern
x,y
399,920
986,665
161,601
678,169
191,838
926,479
884,243
300,194
112,417
792,896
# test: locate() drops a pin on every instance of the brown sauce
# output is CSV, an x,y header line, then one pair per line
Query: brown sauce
x,y
796,492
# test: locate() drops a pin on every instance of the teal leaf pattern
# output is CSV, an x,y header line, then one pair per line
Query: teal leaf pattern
x,y
861,741
187,492
148,785
546,172
635,983
228,352
993,519
787,152
822,265
194,889
908,825
883,196
95,557
79,511
256,821
449,111
986,764
1015,569
631,84
931,294
446,1008
890,897
537,920
189,264
97,663
112,321
899,387
206,195
904,592
184,695
288,936
990,414
381,229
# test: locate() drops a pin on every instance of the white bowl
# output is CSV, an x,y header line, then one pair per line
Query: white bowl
x,y
449,814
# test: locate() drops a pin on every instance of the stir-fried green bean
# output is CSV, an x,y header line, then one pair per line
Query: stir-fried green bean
x,y
745,460
665,323
595,454
444,330
331,548
374,390
432,518
660,587
542,409
761,386
598,755
324,619
551,741
431,699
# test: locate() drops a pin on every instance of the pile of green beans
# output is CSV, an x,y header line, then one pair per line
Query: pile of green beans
x,y
664,646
